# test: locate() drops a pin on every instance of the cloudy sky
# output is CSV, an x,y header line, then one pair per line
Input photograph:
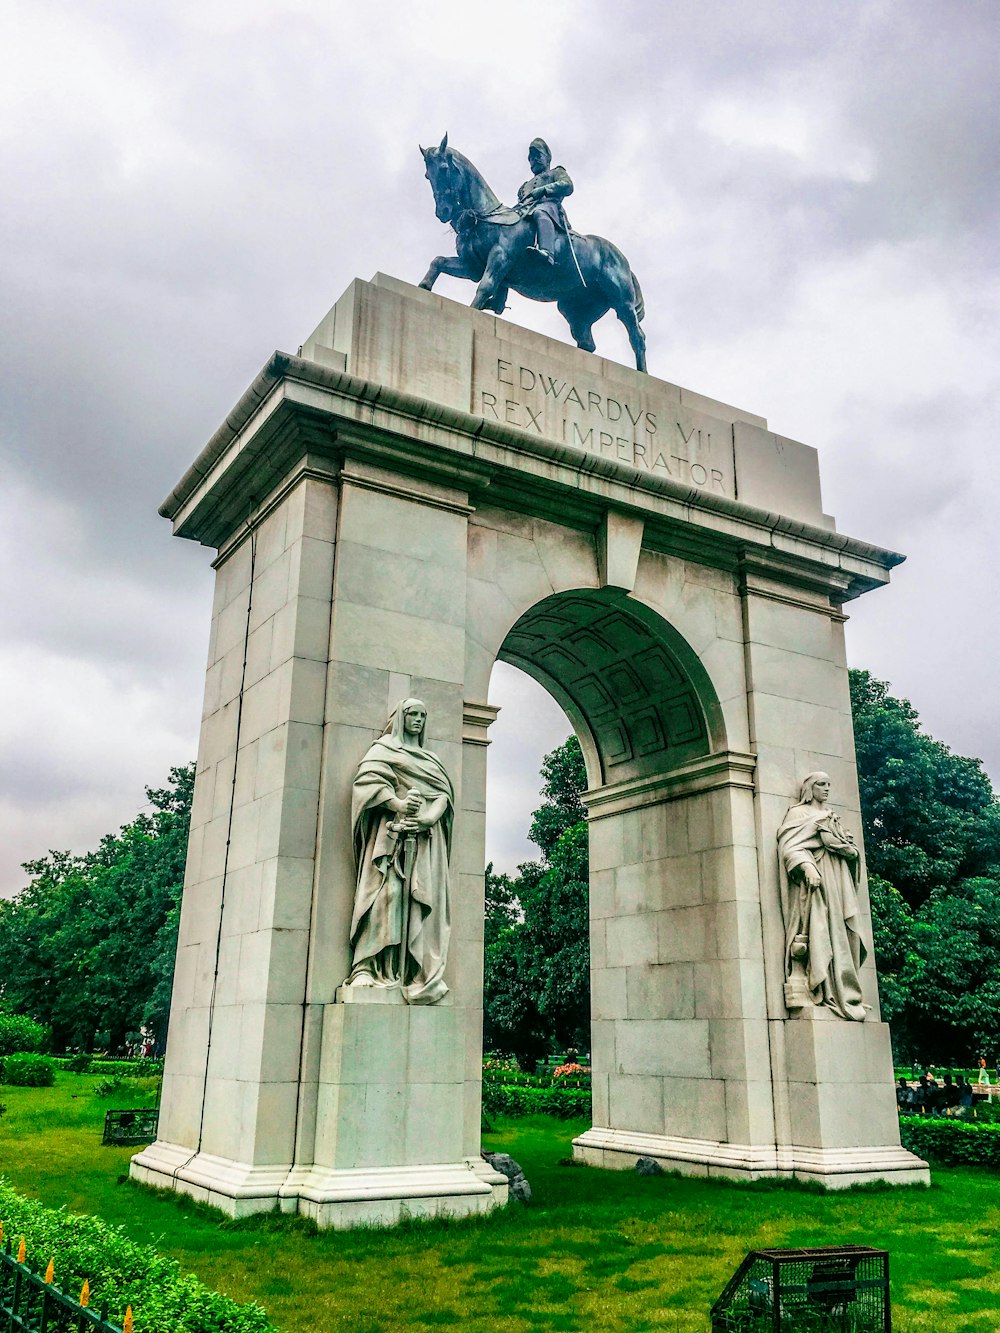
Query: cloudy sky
x,y
807,191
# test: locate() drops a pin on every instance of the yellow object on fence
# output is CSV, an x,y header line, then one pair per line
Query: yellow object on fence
x,y
85,1293
50,1272
127,1321
22,1250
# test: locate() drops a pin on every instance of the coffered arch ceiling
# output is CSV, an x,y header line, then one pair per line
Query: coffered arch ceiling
x,y
633,688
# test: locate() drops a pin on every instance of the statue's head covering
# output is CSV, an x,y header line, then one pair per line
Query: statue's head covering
x,y
395,724
542,147
806,789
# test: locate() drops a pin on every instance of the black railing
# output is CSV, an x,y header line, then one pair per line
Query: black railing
x,y
133,1127
29,1304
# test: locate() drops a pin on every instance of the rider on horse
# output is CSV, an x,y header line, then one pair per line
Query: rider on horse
x,y
541,198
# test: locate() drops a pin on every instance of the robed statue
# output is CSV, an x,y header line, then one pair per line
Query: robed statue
x,y
403,809
530,247
819,863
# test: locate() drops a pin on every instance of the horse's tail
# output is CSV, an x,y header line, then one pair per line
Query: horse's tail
x,y
640,304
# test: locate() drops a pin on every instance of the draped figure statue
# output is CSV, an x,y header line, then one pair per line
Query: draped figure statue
x,y
824,950
403,809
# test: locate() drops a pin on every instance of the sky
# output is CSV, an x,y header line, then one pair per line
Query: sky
x,y
807,191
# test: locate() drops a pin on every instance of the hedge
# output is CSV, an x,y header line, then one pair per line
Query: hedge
x,y
27,1071
18,1033
514,1099
122,1272
951,1142
96,1064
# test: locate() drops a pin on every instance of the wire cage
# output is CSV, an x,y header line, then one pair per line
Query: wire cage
x,y
834,1289
130,1127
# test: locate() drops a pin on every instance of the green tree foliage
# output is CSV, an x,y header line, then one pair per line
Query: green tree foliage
x,y
88,946
537,985
930,817
951,977
932,840
564,782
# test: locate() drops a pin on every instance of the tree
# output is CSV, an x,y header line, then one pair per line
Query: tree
x,y
952,972
564,782
932,838
537,976
88,947
930,817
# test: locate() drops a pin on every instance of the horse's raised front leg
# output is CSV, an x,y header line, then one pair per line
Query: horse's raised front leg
x,y
451,265
493,287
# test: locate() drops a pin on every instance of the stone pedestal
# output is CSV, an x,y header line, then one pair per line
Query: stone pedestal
x,y
423,490
390,1116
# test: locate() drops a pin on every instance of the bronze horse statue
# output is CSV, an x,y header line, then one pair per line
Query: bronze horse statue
x,y
494,245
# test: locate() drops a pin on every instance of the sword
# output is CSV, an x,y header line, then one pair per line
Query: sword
x,y
572,250
408,858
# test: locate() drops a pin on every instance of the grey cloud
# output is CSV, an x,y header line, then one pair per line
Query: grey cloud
x,y
194,185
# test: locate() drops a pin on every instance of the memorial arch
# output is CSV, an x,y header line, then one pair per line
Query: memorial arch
x,y
677,587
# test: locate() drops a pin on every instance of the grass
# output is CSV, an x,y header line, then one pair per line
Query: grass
x,y
596,1251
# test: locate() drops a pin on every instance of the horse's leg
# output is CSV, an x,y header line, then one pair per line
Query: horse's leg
x,y
493,287
452,266
626,313
580,319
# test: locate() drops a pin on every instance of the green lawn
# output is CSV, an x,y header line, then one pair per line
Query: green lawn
x,y
596,1251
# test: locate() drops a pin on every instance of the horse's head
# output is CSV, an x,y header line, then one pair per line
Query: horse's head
x,y
447,181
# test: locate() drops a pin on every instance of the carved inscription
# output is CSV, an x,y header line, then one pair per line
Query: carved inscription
x,y
652,440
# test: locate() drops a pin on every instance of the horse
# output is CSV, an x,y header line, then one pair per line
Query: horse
x,y
494,246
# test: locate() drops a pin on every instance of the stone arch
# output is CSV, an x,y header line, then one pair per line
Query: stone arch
x,y
636,693
408,534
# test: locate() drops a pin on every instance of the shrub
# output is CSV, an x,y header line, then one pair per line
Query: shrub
x,y
514,1099
119,1083
122,1272
951,1142
142,1068
18,1033
28,1071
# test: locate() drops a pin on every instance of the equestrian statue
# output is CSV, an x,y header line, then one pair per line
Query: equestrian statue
x,y
530,247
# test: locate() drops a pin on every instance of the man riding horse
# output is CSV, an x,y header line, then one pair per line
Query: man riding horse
x,y
520,249
541,199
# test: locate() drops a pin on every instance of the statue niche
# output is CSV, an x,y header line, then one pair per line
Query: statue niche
x,y
403,809
819,864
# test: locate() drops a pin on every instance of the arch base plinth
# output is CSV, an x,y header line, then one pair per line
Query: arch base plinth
x,y
833,1168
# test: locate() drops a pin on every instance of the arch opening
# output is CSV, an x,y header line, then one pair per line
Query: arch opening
x,y
633,689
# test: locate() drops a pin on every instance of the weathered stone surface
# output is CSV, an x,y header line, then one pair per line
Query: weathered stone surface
x,y
505,1164
648,1166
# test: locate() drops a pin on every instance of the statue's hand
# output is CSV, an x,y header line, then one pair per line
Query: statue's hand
x,y
425,819
413,802
811,877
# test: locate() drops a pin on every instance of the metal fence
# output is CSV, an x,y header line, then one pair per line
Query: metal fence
x,y
124,1127
30,1304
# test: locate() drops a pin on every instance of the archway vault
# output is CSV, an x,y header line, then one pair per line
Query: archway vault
x,y
633,688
